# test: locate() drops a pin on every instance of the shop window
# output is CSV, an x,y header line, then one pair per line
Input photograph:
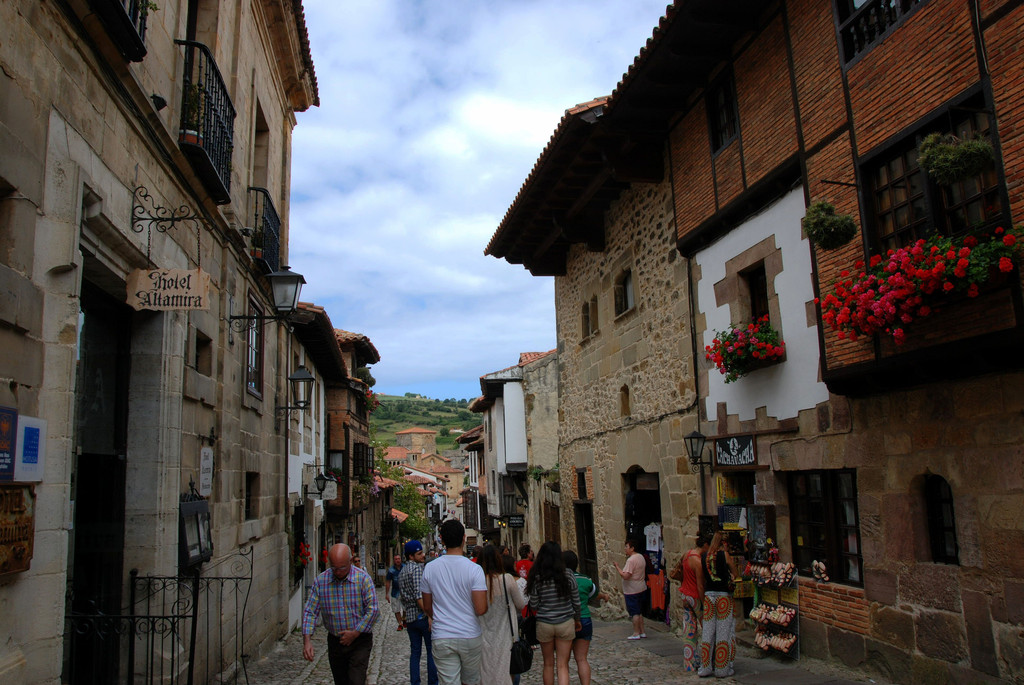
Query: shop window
x,y
905,205
824,523
722,118
624,300
254,351
865,23
941,520
252,493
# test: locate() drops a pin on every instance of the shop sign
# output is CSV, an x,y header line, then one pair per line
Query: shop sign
x,y
736,451
17,527
516,521
168,289
206,471
8,441
22,447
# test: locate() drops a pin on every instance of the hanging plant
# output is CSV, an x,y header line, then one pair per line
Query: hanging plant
x,y
825,228
947,159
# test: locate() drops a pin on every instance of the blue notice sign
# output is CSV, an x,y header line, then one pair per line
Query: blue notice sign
x,y
30,445
8,441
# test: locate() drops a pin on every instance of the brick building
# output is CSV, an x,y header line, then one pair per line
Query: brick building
x,y
671,211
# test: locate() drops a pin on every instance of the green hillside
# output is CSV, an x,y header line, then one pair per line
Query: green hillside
x,y
414,411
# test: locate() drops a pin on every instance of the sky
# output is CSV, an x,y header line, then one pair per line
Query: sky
x,y
432,114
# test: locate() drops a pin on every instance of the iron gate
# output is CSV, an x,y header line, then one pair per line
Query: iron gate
x,y
184,629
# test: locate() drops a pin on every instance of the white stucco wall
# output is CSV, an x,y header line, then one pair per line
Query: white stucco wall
x,y
786,388
514,422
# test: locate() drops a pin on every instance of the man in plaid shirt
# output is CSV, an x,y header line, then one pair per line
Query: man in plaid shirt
x,y
416,622
344,597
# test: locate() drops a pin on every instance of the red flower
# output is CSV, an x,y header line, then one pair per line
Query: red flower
x,y
1005,264
1009,240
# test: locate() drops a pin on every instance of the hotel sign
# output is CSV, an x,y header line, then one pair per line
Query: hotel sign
x,y
167,289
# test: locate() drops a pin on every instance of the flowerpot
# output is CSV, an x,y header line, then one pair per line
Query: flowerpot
x,y
189,136
256,252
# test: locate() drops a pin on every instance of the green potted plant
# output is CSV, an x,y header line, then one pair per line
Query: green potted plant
x,y
825,228
947,159
192,115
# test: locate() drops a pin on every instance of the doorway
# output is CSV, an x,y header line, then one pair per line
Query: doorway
x,y
96,543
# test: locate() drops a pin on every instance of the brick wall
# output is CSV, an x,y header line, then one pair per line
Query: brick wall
x,y
929,59
840,606
816,70
767,119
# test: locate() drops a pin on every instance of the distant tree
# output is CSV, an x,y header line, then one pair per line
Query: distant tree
x,y
445,432
410,394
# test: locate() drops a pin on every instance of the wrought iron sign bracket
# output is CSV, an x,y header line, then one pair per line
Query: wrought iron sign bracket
x,y
155,216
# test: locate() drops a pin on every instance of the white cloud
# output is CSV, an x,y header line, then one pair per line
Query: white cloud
x,y
432,115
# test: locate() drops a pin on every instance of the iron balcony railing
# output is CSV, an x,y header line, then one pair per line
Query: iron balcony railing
x,y
207,128
266,228
125,23
871,22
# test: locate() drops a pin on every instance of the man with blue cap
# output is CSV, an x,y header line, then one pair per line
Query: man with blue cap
x,y
416,622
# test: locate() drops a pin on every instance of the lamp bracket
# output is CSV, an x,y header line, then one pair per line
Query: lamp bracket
x,y
241,323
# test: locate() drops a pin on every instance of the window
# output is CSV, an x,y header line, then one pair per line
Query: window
x,y
906,206
756,281
589,312
361,459
581,484
824,522
204,354
254,351
624,408
722,118
941,521
624,293
252,493
864,23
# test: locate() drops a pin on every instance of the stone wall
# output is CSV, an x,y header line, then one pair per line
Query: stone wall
x,y
648,351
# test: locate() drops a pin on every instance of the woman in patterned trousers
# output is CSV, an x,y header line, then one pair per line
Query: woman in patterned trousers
x,y
718,634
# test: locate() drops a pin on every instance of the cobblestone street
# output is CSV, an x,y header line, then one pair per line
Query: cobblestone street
x,y
614,661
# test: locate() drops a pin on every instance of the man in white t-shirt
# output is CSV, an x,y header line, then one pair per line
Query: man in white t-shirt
x,y
454,593
634,584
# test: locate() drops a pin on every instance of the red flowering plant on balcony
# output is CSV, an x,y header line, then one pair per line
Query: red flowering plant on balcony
x,y
910,283
739,350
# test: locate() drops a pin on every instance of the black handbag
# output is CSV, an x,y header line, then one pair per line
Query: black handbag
x,y
522,652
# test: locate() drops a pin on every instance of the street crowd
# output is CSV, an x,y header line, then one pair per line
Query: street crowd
x,y
476,620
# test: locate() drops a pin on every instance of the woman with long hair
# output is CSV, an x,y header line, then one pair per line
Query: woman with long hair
x,y
718,633
692,588
499,627
588,591
555,597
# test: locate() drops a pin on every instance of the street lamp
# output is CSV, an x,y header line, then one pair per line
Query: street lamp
x,y
695,450
321,482
301,382
285,286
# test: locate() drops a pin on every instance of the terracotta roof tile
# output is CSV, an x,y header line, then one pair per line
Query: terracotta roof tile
x,y
530,357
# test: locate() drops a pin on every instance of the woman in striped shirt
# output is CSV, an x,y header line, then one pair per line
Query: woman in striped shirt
x,y
555,597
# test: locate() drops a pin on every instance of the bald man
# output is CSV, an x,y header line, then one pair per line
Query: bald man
x,y
344,597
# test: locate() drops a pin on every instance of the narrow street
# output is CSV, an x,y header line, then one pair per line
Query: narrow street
x,y
614,661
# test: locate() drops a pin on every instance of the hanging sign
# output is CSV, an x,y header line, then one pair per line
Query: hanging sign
x,y
168,289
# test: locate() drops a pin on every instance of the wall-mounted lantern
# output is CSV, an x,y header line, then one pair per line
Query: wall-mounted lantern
x,y
695,450
285,286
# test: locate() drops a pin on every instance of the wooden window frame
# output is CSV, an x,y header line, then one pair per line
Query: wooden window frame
x,y
625,293
723,113
824,511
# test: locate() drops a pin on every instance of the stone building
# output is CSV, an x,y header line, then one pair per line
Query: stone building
x,y
146,156
670,214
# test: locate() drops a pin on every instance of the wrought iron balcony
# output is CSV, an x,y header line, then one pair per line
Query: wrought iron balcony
x,y
125,22
266,229
207,128
871,22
